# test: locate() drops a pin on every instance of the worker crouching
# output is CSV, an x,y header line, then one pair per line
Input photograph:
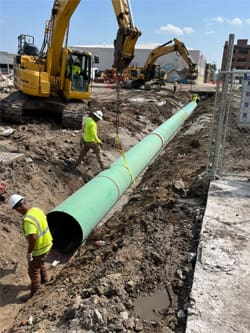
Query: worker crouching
x,y
36,231
90,139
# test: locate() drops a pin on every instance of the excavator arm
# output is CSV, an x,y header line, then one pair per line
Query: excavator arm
x,y
58,24
174,45
55,31
156,53
127,35
192,71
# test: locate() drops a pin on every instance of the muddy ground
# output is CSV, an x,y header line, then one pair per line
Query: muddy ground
x,y
141,279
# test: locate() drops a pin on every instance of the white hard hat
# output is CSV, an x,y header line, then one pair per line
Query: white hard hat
x,y
15,199
98,114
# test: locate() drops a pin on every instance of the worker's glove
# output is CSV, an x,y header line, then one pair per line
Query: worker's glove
x,y
29,257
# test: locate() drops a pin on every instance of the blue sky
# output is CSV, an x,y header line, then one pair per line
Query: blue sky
x,y
201,25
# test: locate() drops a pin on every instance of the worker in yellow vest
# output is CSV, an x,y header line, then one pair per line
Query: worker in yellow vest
x,y
90,139
175,86
76,67
195,98
36,231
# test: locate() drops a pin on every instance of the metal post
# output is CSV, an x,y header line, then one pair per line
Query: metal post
x,y
222,110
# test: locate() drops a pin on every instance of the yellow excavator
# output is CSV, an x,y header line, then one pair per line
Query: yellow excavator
x,y
56,78
151,72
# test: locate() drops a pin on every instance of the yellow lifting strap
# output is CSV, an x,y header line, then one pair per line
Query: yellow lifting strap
x,y
118,139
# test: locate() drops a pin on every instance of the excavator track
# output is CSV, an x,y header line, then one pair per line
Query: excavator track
x,y
16,107
72,115
11,109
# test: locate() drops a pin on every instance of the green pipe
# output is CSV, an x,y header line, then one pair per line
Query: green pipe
x,y
72,221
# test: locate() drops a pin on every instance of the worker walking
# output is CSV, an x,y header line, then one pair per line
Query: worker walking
x,y
90,139
36,231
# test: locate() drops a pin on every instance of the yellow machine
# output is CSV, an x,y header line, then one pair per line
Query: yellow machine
x,y
57,78
138,76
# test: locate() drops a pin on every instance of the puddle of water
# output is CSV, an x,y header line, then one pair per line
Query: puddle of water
x,y
152,307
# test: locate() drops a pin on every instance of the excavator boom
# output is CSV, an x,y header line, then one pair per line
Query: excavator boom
x,y
127,35
139,76
174,45
55,31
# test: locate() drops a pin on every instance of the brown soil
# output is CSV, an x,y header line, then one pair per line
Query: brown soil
x,y
150,242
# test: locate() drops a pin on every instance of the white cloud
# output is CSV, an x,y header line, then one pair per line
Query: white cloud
x,y
173,30
218,19
235,21
247,21
188,30
211,32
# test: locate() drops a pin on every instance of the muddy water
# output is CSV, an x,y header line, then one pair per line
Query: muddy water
x,y
152,307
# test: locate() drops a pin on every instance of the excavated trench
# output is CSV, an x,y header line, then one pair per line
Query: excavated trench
x,y
141,278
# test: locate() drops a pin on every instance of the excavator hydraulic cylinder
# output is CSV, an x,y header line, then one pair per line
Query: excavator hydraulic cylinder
x,y
72,221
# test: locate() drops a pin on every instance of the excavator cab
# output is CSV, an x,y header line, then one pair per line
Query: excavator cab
x,y
77,75
26,45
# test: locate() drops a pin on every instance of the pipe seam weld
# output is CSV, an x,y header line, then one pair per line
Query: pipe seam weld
x,y
112,180
157,134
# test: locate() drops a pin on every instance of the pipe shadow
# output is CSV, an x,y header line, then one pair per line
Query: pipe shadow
x,y
9,293
7,271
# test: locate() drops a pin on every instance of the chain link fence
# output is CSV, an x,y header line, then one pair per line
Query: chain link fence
x,y
229,148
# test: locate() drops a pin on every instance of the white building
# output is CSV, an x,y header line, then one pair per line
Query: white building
x,y
169,62
6,62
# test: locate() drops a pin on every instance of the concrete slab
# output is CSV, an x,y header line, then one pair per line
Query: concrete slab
x,y
220,297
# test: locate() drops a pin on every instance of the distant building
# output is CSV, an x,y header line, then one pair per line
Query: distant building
x,y
241,55
6,62
167,62
171,62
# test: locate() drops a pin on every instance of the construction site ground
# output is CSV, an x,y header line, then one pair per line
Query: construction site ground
x,y
141,279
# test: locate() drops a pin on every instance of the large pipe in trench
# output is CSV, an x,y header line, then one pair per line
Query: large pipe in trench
x,y
72,221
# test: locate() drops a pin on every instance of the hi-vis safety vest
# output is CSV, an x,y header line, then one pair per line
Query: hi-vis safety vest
x,y
90,131
76,69
35,222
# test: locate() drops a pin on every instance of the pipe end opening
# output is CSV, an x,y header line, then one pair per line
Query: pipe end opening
x,y
66,232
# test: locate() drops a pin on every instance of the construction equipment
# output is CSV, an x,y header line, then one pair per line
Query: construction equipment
x,y
109,75
151,72
57,78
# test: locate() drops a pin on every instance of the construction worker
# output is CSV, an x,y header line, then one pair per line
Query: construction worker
x,y
76,67
195,98
36,231
90,139
175,85
76,78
